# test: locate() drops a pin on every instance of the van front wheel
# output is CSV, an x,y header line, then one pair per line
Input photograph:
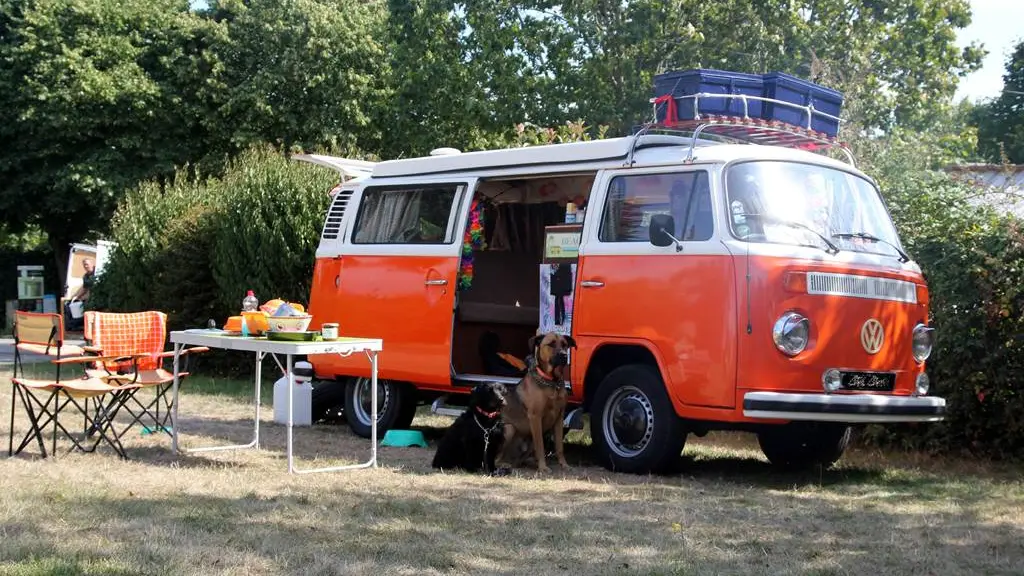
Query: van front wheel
x,y
633,426
393,405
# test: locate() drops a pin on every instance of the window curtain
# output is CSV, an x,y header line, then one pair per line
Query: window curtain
x,y
389,216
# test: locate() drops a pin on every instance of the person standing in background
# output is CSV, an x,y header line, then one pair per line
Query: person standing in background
x,y
80,295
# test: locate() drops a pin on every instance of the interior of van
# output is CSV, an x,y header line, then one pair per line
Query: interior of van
x,y
501,310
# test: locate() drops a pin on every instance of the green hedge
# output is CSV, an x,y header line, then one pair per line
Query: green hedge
x,y
972,257
192,248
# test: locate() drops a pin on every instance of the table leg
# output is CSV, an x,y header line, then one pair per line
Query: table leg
x,y
373,409
372,462
256,422
259,383
291,392
174,407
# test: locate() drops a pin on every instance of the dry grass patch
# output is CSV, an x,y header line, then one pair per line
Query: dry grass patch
x,y
727,512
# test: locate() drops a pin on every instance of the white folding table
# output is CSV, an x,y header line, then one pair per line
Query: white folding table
x,y
212,338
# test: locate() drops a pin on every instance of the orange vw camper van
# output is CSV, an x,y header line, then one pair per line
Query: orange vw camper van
x,y
711,282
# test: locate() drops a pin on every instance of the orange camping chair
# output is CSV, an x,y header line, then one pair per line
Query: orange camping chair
x,y
44,399
40,334
139,336
62,394
36,333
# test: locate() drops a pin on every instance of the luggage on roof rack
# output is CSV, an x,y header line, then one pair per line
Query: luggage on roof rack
x,y
692,94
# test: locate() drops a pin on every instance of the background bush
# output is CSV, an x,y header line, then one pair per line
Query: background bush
x,y
972,256
268,230
192,248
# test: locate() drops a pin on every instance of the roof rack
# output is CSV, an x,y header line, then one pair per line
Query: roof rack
x,y
747,130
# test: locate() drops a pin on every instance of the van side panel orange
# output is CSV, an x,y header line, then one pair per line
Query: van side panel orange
x,y
836,323
387,297
683,305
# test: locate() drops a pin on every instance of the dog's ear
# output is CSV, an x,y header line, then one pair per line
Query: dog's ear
x,y
533,342
570,342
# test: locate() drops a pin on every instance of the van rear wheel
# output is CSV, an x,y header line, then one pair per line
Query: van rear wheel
x,y
803,445
633,426
393,405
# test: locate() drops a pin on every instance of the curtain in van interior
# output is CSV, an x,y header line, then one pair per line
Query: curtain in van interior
x,y
388,215
520,227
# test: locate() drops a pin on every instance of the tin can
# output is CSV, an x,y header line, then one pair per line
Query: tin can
x,y
329,331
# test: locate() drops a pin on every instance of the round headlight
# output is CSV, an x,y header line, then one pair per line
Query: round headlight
x,y
922,384
791,333
831,380
923,340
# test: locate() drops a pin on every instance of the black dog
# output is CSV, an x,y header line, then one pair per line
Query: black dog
x,y
473,441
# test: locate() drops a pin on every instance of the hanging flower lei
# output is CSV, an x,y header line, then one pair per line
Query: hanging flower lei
x,y
473,240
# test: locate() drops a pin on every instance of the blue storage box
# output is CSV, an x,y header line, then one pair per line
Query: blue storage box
x,y
690,82
787,88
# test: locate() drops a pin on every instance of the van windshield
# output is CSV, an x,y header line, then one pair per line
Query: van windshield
x,y
805,204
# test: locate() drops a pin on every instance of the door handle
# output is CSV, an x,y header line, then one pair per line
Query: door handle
x,y
436,282
592,284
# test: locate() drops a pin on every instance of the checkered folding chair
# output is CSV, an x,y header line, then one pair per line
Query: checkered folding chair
x,y
139,336
46,399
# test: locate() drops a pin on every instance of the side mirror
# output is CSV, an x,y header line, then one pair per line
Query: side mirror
x,y
660,231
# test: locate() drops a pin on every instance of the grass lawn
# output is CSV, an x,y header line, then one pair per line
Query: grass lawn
x,y
726,513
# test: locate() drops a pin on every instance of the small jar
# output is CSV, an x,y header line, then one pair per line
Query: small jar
x,y
329,331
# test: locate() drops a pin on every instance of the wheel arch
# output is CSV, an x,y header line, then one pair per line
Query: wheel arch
x,y
608,356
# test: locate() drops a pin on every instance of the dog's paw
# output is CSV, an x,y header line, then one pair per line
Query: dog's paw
x,y
564,466
503,471
543,469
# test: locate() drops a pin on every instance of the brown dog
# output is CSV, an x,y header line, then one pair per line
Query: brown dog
x,y
538,403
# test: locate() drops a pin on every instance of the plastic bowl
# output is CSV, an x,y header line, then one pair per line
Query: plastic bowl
x,y
290,323
404,438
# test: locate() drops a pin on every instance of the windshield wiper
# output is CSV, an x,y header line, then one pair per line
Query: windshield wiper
x,y
872,238
832,248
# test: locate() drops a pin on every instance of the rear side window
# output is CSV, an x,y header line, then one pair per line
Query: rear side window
x,y
633,199
421,215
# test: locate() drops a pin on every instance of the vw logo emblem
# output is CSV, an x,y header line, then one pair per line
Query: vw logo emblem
x,y
872,336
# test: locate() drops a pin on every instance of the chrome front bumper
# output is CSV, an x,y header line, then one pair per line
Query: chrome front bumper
x,y
853,408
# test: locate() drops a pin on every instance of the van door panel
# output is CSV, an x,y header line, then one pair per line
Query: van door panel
x,y
322,298
402,293
682,303
388,297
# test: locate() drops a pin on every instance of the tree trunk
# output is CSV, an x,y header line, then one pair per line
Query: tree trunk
x,y
60,247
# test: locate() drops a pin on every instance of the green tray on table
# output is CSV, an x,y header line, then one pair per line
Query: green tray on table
x,y
305,336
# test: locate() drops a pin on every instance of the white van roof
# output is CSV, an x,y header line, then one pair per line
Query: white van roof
x,y
651,149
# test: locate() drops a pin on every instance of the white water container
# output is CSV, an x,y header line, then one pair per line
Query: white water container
x,y
302,397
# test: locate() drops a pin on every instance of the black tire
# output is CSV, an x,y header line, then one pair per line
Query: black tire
x,y
392,398
633,426
803,445
328,398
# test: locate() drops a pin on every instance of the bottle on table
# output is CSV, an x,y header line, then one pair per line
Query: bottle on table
x,y
250,303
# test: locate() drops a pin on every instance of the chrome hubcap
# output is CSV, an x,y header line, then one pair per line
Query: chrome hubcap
x,y
628,422
362,397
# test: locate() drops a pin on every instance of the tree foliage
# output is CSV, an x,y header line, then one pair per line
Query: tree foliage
x,y
95,99
1001,122
300,73
460,66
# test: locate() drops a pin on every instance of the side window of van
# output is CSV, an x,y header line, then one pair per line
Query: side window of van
x,y
633,199
421,215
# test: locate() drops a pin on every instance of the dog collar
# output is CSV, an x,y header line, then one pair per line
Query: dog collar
x,y
494,414
543,378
